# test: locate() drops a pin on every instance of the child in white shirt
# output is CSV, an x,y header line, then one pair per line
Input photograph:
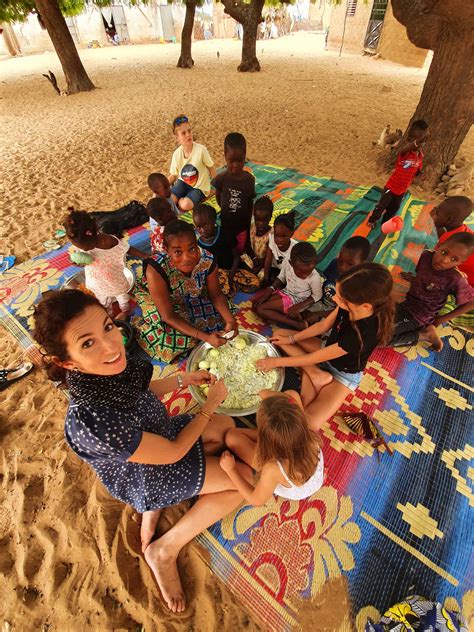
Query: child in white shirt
x,y
297,288
279,247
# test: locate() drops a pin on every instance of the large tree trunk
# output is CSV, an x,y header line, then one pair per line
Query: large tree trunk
x,y
10,39
185,59
76,76
250,16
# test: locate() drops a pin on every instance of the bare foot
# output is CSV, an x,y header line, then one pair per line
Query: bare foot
x,y
148,528
431,335
165,570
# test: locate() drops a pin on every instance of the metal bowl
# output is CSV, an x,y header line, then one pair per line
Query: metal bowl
x,y
199,353
79,278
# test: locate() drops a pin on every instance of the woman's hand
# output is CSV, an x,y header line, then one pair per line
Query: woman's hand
x,y
217,394
262,295
231,325
196,378
215,340
280,340
267,364
227,462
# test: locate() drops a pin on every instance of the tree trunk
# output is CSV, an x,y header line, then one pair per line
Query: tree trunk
x,y
74,72
249,61
185,59
446,101
10,39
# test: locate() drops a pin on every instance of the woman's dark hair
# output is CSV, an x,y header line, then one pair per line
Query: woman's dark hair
x,y
287,219
304,252
81,228
176,228
370,283
205,210
52,315
263,203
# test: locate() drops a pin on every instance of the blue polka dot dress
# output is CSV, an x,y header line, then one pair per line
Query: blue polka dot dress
x,y
105,437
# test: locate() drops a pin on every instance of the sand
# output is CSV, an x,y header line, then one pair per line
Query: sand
x,y
69,554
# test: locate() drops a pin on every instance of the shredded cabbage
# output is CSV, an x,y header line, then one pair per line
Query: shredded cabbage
x,y
237,368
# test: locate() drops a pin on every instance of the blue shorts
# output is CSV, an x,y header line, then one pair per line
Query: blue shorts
x,y
350,380
181,190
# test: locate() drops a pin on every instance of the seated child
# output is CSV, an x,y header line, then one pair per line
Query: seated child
x,y
408,165
223,247
436,278
260,230
235,190
105,276
279,247
161,213
161,187
282,449
296,288
353,252
191,167
448,219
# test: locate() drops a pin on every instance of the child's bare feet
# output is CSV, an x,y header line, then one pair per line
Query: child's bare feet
x,y
148,528
162,561
431,335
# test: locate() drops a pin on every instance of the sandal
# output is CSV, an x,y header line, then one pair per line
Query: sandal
x,y
10,376
361,425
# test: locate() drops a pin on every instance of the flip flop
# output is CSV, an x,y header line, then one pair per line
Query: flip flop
x,y
10,376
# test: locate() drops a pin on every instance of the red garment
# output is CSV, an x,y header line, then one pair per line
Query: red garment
x,y
406,168
467,266
156,240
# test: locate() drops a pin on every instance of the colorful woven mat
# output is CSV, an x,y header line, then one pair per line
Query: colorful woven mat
x,y
392,525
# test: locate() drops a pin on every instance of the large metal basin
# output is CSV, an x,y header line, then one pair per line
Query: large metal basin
x,y
199,353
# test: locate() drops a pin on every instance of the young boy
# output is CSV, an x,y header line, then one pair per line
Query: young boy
x,y
436,278
353,252
162,214
235,190
223,247
161,187
191,167
448,219
408,165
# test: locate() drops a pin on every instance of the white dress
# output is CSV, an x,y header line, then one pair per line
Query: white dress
x,y
106,276
298,492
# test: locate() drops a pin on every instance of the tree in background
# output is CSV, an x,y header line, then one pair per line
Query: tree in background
x,y
51,15
185,59
446,103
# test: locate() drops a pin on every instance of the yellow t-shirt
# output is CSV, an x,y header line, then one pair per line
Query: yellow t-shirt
x,y
193,170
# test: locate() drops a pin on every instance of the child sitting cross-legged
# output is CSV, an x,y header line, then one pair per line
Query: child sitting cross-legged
x,y
161,213
223,247
448,218
161,188
296,288
283,450
436,277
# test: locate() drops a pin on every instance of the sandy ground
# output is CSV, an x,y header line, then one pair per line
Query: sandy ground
x,y
68,553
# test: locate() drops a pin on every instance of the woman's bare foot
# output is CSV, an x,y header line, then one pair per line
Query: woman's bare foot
x,y
431,335
148,528
162,562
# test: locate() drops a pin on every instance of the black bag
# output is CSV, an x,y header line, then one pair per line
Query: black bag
x,y
115,222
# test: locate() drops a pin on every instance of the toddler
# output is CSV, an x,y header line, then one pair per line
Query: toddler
x,y
223,247
448,219
408,165
279,247
437,276
161,213
191,167
235,190
105,276
160,186
296,288
282,449
260,230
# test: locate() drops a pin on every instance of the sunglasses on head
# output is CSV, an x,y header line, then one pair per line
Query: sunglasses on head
x,y
180,120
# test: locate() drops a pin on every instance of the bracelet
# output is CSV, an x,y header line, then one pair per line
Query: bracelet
x,y
179,377
271,288
292,340
204,414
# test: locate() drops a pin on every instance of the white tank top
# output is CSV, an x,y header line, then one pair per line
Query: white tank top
x,y
312,485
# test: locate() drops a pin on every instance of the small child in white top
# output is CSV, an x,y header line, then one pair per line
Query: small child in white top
x,y
161,188
105,275
283,449
279,247
297,288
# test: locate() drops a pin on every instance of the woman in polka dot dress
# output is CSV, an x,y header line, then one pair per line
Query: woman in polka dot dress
x,y
117,423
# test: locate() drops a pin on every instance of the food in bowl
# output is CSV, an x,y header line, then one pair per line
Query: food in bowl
x,y
235,364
